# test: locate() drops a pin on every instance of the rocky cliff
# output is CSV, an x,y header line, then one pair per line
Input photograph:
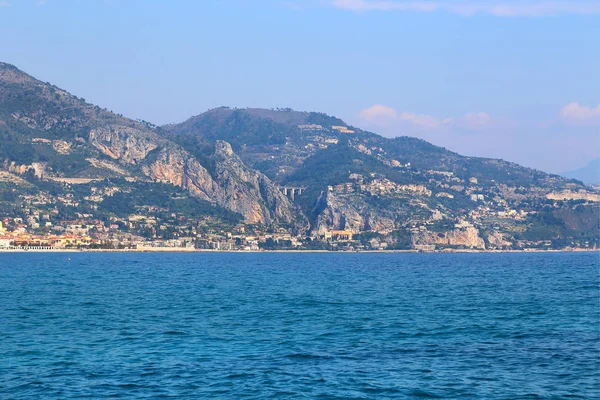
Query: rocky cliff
x,y
250,192
355,211
230,184
173,165
129,145
465,237
340,212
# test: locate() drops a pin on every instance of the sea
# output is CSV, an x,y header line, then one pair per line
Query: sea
x,y
299,326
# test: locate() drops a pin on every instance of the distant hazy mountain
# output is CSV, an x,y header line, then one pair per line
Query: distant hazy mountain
x,y
588,174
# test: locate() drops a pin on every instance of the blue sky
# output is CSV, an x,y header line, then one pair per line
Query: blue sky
x,y
518,80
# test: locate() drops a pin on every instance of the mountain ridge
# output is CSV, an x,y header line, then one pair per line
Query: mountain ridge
x,y
305,173
89,132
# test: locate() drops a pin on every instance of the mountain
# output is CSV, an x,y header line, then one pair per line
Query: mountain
x,y
284,172
590,174
61,136
361,182
279,141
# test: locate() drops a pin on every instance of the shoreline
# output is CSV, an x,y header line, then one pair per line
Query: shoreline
x,y
190,251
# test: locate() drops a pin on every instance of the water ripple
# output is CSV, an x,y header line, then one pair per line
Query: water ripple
x,y
299,326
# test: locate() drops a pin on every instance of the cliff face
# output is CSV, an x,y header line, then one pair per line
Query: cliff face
x,y
127,144
232,184
467,237
355,214
581,194
359,212
497,240
250,192
172,164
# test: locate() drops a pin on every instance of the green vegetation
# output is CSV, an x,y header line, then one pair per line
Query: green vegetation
x,y
333,165
579,223
40,123
165,197
234,126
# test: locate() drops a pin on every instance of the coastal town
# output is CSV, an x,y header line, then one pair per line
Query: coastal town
x,y
41,224
441,212
84,235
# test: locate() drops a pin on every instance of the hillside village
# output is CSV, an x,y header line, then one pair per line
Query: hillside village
x,y
70,221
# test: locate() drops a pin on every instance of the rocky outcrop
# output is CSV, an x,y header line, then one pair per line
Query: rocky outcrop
x,y
467,237
38,168
498,240
250,192
174,165
581,194
355,213
105,165
231,184
129,145
62,147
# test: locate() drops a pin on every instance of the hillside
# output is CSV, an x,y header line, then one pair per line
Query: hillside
x,y
362,182
60,136
286,173
278,141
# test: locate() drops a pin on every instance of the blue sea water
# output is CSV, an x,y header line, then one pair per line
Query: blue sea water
x,y
299,326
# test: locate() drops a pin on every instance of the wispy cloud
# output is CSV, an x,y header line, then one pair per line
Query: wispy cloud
x,y
576,114
424,121
379,114
40,2
500,8
4,3
385,5
382,116
563,139
476,120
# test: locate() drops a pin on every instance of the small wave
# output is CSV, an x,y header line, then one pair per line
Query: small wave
x,y
305,356
482,378
424,395
129,386
239,375
381,390
173,333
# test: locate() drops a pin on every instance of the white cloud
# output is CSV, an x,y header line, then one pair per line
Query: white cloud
x,y
562,140
4,4
382,116
367,5
40,2
576,114
425,121
477,120
378,113
504,8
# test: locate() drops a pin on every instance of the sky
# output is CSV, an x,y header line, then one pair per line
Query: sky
x,y
517,80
